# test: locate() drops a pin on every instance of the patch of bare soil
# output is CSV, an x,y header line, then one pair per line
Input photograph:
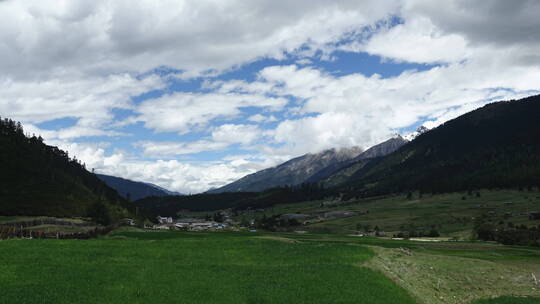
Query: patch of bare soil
x,y
277,238
454,280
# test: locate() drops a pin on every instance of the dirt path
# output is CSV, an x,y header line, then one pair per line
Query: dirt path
x,y
277,238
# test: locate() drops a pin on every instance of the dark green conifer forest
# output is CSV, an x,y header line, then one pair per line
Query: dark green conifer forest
x,y
496,146
37,179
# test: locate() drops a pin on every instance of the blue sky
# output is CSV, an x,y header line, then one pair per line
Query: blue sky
x,y
194,95
342,64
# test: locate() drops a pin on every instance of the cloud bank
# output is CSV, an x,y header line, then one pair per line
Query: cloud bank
x,y
193,95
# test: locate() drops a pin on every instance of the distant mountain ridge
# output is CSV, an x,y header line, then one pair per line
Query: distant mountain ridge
x,y
169,192
310,168
383,148
293,172
133,190
337,173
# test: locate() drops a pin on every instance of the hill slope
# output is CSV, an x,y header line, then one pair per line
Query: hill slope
x,y
497,145
172,205
38,179
293,172
133,190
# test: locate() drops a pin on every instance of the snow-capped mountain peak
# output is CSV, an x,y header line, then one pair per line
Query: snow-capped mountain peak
x,y
413,135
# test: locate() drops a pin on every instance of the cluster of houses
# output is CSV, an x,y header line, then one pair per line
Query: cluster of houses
x,y
226,220
189,224
199,225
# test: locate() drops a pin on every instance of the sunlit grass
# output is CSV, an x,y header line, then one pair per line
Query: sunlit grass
x,y
171,267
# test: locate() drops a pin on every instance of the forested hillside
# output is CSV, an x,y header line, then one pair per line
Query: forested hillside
x,y
38,179
495,146
132,190
171,205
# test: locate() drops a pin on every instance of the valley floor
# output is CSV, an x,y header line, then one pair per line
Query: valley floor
x,y
181,267
451,214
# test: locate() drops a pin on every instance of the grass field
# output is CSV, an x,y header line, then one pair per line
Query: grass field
x,y
182,267
452,272
508,300
449,213
173,267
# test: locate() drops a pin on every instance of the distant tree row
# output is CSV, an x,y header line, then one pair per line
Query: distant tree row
x,y
172,205
276,223
508,234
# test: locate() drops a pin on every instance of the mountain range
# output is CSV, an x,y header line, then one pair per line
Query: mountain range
x,y
495,146
308,168
133,190
334,174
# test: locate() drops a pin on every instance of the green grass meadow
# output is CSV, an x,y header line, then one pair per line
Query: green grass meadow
x,y
135,266
174,267
508,300
450,213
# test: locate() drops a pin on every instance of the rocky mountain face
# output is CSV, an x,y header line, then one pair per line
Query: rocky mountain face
x,y
292,172
382,149
312,168
133,190
339,172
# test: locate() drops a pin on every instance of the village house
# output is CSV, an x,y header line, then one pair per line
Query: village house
x,y
185,223
161,227
182,225
164,220
202,226
193,224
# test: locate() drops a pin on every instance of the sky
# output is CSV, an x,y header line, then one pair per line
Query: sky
x,y
192,95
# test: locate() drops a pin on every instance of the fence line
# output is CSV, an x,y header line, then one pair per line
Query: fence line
x,y
16,231
38,222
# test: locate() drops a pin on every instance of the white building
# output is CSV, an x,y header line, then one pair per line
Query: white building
x,y
182,225
161,227
202,226
164,220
